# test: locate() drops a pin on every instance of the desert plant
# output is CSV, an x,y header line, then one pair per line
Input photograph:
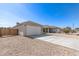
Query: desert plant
x,y
67,30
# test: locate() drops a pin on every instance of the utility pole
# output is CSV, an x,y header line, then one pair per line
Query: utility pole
x,y
73,27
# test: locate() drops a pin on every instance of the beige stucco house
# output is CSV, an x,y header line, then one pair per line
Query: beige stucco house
x,y
29,28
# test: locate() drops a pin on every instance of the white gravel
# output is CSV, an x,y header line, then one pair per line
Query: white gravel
x,y
64,41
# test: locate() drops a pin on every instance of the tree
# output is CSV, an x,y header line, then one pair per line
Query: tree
x,y
69,28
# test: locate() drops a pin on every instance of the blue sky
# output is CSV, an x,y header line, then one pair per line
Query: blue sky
x,y
55,14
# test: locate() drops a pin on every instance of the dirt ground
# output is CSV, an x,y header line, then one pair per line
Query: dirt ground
x,y
24,46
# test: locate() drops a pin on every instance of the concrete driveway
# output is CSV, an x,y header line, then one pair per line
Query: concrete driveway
x,y
63,41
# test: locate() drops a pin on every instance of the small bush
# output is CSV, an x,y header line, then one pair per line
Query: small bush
x,y
66,31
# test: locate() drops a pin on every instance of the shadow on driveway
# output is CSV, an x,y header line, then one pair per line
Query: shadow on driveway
x,y
38,36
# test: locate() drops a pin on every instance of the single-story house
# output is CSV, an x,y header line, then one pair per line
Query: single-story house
x,y
51,29
76,29
29,28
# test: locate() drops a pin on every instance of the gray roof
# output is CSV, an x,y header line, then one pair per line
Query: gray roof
x,y
47,26
29,23
35,24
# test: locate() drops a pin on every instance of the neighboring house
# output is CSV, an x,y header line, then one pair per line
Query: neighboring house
x,y
77,29
51,29
29,28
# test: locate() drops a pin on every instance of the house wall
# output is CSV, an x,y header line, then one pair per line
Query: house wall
x,y
20,30
29,30
54,30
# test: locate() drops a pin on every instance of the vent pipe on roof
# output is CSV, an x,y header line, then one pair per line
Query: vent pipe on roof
x,y
17,23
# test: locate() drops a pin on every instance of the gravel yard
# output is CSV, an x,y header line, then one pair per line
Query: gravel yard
x,y
24,46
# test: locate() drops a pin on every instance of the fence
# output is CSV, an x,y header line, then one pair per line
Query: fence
x,y
8,31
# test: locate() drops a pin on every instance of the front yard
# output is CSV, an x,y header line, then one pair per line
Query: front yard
x,y
24,46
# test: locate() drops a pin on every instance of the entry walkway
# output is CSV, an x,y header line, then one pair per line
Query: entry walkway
x,y
63,41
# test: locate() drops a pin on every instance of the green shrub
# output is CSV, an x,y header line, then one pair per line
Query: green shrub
x,y
66,31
